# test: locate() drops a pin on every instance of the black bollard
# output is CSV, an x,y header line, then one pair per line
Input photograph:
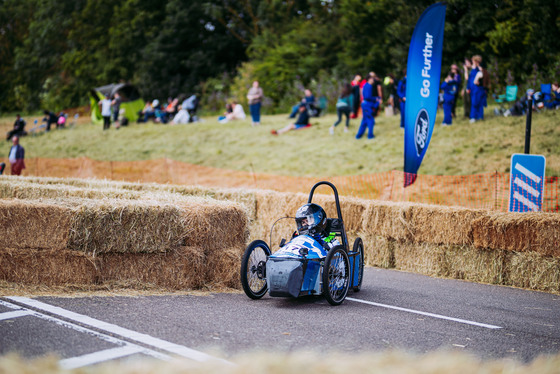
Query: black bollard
x,y
528,126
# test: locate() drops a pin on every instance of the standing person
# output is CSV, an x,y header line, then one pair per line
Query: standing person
x,y
50,118
105,106
372,100
401,93
467,66
357,85
457,79
478,89
116,104
344,106
16,156
449,87
18,130
255,96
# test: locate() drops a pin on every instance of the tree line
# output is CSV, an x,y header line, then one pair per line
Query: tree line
x,y
52,52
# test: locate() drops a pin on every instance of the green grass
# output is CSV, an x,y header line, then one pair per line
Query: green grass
x,y
457,150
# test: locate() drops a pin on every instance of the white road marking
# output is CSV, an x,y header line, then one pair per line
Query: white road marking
x,y
107,338
14,314
425,313
117,330
98,357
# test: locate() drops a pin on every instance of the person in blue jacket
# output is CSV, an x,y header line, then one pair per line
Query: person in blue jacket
x,y
476,84
449,88
401,93
372,95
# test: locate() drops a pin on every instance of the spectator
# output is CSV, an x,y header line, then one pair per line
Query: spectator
x,y
105,107
61,120
255,96
555,102
2,167
467,66
457,79
308,100
50,118
449,87
19,128
301,122
401,93
116,104
357,85
344,106
237,112
390,94
520,106
479,83
147,113
370,106
16,156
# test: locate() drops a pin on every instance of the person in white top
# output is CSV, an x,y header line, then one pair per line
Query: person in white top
x,y
237,113
105,106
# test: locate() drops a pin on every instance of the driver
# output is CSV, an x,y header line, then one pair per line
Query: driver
x,y
311,220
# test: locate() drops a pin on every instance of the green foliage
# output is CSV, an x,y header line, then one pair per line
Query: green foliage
x,y
53,52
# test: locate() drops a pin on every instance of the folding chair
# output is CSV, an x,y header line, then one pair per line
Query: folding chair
x,y
509,97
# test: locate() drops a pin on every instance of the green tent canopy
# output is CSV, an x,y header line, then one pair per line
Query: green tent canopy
x,y
132,103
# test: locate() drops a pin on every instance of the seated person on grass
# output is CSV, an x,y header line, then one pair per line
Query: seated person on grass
x,y
302,121
18,130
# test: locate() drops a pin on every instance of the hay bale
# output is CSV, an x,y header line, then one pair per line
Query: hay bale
x,y
121,226
443,225
47,267
519,232
29,224
179,269
222,268
378,251
533,271
215,226
389,220
458,262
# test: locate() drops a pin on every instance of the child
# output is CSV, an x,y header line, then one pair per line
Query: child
x,y
311,220
449,87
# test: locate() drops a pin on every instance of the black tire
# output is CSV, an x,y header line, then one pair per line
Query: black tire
x,y
253,269
336,276
359,247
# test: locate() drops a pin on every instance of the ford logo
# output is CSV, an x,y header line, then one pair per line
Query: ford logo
x,y
421,131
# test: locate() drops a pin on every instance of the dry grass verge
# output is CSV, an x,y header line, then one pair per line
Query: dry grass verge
x,y
302,362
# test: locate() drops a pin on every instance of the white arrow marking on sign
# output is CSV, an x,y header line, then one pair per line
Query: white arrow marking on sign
x,y
528,173
526,187
525,201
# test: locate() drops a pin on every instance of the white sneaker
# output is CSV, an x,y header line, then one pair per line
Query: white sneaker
x,y
472,120
346,129
331,131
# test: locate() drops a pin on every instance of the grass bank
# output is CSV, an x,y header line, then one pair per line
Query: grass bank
x,y
457,150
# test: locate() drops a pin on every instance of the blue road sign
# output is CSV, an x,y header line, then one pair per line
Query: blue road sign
x,y
526,183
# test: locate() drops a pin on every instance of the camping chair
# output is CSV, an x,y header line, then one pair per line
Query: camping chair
x,y
546,91
503,100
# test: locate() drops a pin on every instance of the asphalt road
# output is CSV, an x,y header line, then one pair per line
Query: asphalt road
x,y
394,310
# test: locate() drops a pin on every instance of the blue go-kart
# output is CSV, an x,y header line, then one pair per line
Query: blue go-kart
x,y
303,266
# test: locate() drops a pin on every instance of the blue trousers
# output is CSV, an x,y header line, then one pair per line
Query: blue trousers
x,y
401,107
447,110
368,121
478,102
255,110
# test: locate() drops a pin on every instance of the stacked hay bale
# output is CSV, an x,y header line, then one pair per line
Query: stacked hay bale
x,y
141,239
478,245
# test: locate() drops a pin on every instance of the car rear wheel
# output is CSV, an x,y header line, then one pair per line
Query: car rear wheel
x,y
336,276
